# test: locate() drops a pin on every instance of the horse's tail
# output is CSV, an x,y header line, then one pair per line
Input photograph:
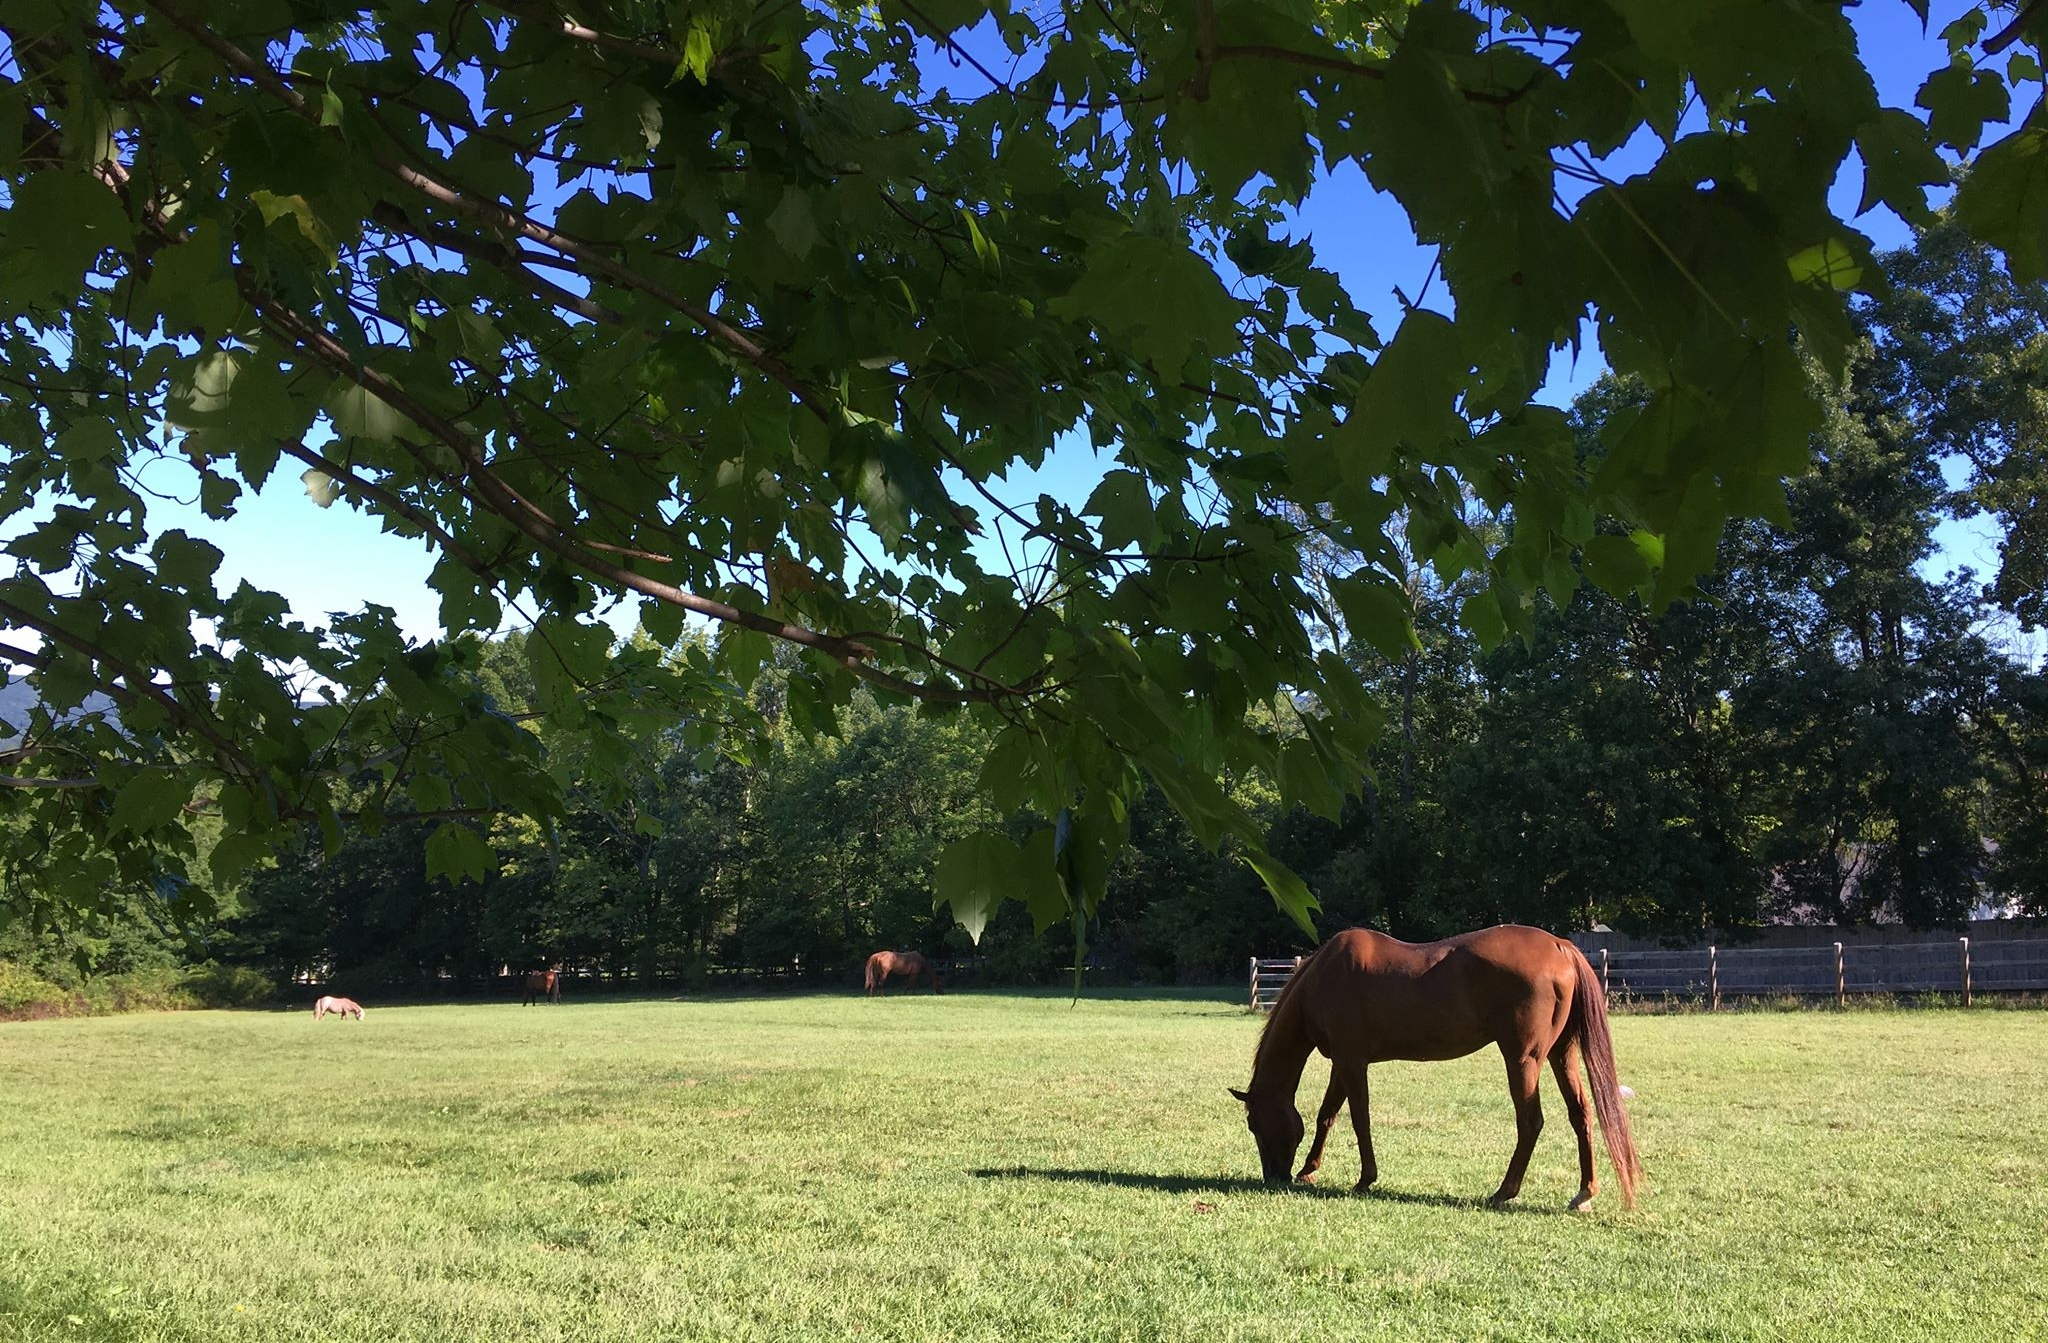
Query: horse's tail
x,y
869,978
1589,1018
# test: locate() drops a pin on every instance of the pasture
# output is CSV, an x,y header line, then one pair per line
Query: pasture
x,y
984,1166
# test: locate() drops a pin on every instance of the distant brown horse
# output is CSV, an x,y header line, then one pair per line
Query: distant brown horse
x,y
339,1006
543,984
909,964
1364,997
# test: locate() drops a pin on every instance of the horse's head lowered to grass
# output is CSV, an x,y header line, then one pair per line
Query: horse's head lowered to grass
x,y
1277,1127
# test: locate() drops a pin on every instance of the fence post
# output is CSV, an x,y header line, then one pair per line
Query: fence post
x,y
1255,984
1713,979
1966,970
1606,993
1841,981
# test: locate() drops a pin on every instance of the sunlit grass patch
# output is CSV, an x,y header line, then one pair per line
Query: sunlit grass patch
x,y
988,1167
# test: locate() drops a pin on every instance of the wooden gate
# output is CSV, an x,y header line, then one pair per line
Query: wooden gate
x,y
1268,978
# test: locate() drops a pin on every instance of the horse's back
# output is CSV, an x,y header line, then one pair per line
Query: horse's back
x,y
1389,999
1513,949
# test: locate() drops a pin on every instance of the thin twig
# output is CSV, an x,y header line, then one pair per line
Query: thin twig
x,y
2009,34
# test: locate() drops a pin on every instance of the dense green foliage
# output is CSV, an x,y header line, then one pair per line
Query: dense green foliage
x,y
131,960
1828,734
989,1167
745,312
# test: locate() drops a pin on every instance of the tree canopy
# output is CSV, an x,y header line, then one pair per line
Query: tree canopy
x,y
744,312
1832,732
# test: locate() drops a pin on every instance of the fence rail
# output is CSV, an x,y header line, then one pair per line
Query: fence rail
x,y
1832,971
1835,970
1268,977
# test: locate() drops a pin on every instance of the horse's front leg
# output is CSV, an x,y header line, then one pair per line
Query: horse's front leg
x,y
1326,1119
1351,1072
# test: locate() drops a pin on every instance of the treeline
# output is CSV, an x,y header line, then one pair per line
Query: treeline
x,y
1825,731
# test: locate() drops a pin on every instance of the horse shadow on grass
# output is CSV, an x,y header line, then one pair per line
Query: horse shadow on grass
x,y
1216,1184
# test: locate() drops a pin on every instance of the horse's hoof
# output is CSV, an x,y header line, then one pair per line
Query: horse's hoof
x,y
1500,1200
1306,1177
1580,1203
1362,1187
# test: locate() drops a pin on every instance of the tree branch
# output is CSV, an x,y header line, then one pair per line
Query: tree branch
x,y
532,13
501,216
2010,34
500,499
137,685
394,217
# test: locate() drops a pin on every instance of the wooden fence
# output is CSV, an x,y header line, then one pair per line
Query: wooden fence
x,y
1268,978
1835,970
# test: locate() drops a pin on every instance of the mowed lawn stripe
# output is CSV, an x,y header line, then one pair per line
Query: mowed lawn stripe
x,y
989,1166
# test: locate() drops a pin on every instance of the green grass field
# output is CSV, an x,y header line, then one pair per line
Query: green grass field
x,y
990,1167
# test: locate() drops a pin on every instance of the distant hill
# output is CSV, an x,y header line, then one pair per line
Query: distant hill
x,y
18,698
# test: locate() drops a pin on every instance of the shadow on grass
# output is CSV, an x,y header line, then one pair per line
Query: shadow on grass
x,y
1197,1184
1199,1000
1158,1184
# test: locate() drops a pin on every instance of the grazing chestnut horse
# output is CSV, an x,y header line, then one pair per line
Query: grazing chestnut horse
x,y
1364,997
339,1006
543,984
909,964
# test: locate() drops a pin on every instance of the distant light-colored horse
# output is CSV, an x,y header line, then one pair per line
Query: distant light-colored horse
x,y
339,1006
910,964
544,984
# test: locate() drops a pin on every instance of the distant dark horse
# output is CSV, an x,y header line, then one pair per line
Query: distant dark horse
x,y
909,964
544,984
341,1007
1364,997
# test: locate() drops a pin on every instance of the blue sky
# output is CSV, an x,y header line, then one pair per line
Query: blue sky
x,y
334,559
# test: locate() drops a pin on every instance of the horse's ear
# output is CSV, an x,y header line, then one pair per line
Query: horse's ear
x,y
1240,1095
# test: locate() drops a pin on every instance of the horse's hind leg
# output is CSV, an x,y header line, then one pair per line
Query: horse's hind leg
x,y
1525,1070
1564,1061
1326,1119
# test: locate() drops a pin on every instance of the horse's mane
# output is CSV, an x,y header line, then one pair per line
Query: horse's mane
x,y
1284,1021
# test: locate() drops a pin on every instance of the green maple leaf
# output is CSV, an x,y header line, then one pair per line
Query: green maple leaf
x,y
1162,302
457,853
2004,200
972,876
